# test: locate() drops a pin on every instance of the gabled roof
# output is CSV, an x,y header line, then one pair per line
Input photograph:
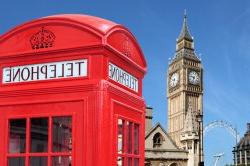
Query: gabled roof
x,y
153,129
158,125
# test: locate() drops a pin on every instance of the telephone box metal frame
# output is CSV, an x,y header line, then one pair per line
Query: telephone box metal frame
x,y
95,101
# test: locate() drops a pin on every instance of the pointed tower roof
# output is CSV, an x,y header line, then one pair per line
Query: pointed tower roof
x,y
190,124
185,44
185,34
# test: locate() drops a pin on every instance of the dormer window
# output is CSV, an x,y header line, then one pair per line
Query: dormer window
x,y
157,140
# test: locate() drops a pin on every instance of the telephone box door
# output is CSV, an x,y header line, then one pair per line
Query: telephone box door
x,y
36,137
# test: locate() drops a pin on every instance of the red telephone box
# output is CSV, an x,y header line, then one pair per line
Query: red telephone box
x,y
71,94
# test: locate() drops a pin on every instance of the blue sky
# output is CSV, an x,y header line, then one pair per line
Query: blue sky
x,y
222,38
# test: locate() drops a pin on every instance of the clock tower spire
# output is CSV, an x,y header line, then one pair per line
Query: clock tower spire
x,y
185,34
185,41
185,97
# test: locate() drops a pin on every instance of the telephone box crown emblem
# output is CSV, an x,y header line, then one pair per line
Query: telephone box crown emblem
x,y
42,39
126,48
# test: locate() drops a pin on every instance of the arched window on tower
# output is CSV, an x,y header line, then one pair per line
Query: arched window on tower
x,y
157,140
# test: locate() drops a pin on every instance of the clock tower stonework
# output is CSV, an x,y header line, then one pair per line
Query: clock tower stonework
x,y
185,97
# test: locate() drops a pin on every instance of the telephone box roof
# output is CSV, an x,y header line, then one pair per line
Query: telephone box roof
x,y
71,31
98,24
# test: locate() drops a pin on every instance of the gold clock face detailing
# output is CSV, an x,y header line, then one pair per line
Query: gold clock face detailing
x,y
193,78
174,80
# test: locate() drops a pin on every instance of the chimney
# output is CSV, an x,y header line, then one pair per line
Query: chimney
x,y
248,127
148,119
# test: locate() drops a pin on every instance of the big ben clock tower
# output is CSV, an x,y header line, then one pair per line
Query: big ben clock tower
x,y
185,97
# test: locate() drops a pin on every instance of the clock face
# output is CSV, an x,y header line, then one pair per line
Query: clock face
x,y
174,80
194,78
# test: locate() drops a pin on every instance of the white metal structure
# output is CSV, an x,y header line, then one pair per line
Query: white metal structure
x,y
217,157
219,123
222,124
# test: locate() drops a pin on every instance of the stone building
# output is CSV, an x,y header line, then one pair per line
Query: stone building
x,y
242,150
160,150
182,144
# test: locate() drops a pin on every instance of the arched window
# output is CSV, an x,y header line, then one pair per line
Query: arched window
x,y
157,140
173,164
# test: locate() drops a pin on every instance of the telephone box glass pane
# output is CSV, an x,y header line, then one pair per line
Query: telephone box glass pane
x,y
136,162
62,134
17,135
38,161
120,161
129,137
130,161
39,134
120,136
136,139
16,161
61,161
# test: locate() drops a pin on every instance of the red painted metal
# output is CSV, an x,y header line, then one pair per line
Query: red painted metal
x,y
95,102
